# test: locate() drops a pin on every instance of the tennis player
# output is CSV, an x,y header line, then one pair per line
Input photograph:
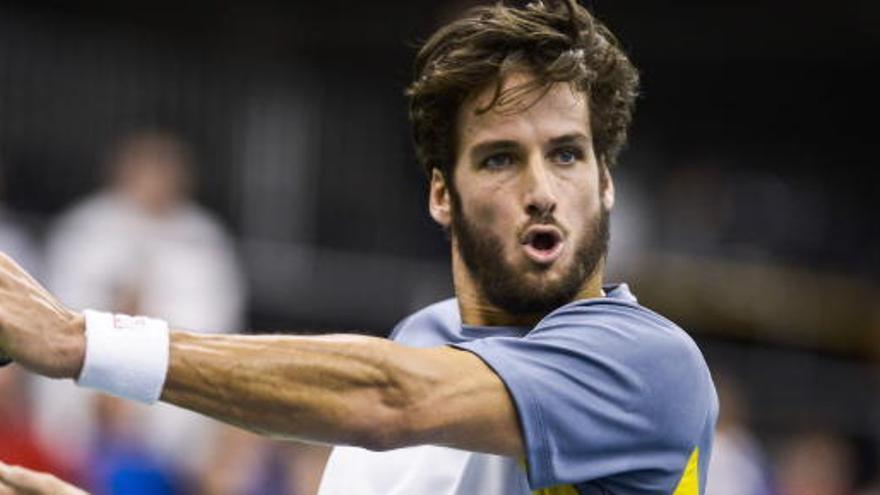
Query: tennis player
x,y
535,378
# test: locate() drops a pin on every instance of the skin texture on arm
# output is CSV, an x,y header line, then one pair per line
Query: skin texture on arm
x,y
36,330
341,389
344,389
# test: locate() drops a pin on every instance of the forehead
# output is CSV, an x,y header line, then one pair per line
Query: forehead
x,y
537,116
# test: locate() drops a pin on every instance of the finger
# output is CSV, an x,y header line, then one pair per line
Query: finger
x,y
6,264
10,477
20,285
12,272
6,489
24,481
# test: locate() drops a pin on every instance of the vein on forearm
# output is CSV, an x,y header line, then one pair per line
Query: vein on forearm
x,y
328,389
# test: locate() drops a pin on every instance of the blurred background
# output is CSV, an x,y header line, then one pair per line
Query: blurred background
x,y
247,166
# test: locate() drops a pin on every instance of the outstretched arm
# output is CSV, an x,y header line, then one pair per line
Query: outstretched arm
x,y
340,389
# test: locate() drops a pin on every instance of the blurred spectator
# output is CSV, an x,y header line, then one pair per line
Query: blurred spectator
x,y
304,467
120,463
816,463
16,241
243,463
18,444
141,246
738,463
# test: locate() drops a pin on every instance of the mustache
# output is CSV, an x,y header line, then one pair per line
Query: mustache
x,y
543,219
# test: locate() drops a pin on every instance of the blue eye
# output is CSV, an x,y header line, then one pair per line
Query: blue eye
x,y
568,155
498,160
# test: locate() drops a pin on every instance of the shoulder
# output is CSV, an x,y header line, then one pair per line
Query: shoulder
x,y
665,364
604,387
90,208
436,324
620,319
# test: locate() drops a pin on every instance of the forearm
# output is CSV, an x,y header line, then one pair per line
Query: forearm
x,y
339,389
335,389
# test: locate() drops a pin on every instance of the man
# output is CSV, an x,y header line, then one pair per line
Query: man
x,y
534,379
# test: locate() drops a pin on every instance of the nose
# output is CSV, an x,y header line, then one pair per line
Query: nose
x,y
540,194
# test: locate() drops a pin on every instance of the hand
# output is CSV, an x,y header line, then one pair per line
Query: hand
x,y
36,330
16,480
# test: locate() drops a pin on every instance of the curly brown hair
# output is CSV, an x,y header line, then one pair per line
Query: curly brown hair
x,y
555,41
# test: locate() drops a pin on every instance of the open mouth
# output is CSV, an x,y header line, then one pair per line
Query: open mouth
x,y
543,244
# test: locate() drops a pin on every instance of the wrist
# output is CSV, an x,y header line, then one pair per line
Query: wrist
x,y
125,356
75,350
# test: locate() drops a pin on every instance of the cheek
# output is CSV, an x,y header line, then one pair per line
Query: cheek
x,y
483,214
491,217
581,207
482,206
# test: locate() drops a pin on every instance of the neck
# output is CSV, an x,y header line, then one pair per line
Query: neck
x,y
476,310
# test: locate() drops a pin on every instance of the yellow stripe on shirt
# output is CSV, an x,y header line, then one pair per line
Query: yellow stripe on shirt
x,y
689,484
557,490
690,480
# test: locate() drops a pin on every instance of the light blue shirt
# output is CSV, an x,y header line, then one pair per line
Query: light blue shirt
x,y
612,397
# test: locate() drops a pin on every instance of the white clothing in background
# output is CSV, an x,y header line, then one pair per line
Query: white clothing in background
x,y
106,254
738,465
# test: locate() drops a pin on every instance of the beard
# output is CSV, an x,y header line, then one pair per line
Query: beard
x,y
509,287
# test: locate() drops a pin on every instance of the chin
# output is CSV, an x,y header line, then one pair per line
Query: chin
x,y
546,280
548,273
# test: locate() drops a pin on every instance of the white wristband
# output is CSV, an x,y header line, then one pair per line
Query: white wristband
x,y
126,356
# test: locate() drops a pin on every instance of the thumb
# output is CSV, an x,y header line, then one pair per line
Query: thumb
x,y
8,485
6,489
22,481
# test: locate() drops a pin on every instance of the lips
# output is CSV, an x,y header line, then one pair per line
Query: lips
x,y
543,244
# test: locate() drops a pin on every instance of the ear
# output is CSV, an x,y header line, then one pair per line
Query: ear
x,y
438,199
607,191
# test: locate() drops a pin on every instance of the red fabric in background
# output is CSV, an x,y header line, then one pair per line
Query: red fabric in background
x,y
19,446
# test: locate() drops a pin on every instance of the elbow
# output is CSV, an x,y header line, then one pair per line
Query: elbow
x,y
391,421
387,430
392,414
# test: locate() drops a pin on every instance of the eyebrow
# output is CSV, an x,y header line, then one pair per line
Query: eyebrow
x,y
495,145
574,137
508,144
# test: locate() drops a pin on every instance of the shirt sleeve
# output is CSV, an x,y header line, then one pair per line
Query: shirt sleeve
x,y
603,390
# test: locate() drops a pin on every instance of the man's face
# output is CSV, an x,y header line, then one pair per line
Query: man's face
x,y
529,203
154,172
